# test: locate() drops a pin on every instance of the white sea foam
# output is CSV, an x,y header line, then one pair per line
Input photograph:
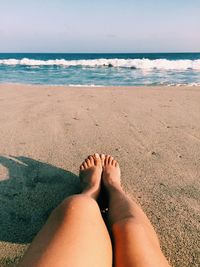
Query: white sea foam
x,y
145,64
183,84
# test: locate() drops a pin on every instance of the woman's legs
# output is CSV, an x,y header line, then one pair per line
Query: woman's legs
x,y
75,234
135,242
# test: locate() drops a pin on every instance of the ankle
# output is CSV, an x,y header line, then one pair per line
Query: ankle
x,y
114,189
91,192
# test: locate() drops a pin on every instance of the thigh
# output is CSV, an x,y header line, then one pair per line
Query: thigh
x,y
74,235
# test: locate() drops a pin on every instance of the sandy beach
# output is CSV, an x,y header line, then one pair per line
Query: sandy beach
x,y
154,133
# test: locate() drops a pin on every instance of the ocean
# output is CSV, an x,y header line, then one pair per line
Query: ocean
x,y
113,69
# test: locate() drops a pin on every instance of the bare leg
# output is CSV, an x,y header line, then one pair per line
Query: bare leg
x,y
134,238
75,234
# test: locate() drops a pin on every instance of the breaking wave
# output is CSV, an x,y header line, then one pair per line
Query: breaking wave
x,y
146,64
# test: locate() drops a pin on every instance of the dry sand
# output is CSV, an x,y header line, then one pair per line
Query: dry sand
x,y
45,133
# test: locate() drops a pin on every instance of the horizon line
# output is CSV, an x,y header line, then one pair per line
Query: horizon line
x,y
180,52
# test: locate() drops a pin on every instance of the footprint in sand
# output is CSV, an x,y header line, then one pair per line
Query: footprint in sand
x,y
155,154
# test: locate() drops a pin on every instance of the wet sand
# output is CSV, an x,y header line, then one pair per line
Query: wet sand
x,y
154,132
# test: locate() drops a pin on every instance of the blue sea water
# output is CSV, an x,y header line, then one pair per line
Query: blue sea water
x,y
101,69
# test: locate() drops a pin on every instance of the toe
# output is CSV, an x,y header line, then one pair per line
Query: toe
x,y
102,156
106,159
91,160
113,162
85,165
96,155
81,167
110,160
97,159
88,162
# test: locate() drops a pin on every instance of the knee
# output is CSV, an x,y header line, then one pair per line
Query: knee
x,y
128,225
78,201
133,227
75,204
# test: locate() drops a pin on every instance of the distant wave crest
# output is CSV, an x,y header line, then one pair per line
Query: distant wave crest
x,y
160,64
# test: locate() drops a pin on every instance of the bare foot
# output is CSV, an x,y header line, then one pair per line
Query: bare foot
x,y
111,173
90,175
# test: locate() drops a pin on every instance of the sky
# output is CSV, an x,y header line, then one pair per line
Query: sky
x,y
99,26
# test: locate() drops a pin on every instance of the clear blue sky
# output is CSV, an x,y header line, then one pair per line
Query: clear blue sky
x,y
99,25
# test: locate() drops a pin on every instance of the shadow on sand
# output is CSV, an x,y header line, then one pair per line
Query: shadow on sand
x,y
28,194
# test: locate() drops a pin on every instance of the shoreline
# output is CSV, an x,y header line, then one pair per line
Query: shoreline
x,y
100,86
153,131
